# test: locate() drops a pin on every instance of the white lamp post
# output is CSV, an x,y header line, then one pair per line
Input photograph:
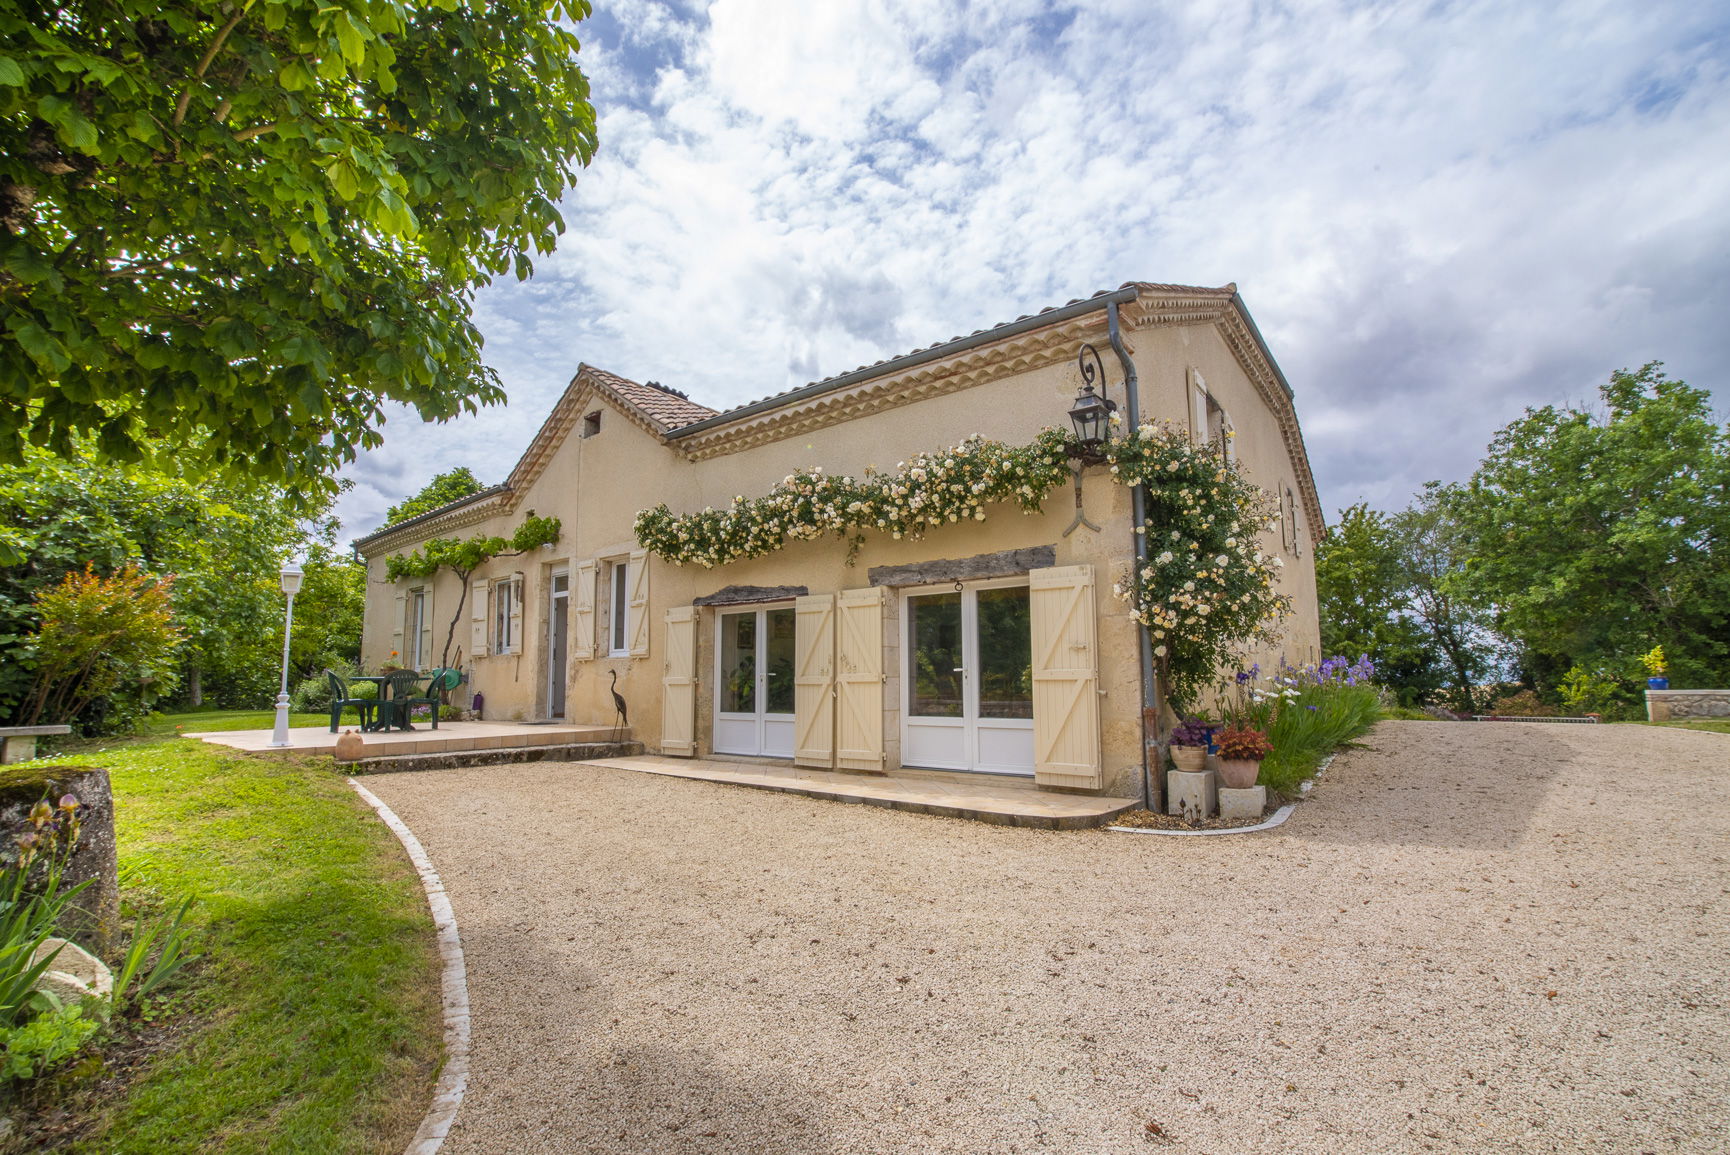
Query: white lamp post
x,y
291,578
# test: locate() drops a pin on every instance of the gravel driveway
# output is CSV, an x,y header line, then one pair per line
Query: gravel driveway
x,y
1473,937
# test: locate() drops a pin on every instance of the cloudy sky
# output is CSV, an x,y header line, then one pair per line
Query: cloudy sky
x,y
1438,213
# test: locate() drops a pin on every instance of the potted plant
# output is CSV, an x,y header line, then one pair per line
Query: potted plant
x,y
1189,742
1656,669
1240,753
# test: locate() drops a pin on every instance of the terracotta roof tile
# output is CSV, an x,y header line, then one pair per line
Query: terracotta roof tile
x,y
659,403
1184,290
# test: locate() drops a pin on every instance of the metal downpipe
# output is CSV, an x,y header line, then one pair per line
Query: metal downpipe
x,y
1138,508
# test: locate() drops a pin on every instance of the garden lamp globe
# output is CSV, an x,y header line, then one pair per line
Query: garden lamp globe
x,y
292,575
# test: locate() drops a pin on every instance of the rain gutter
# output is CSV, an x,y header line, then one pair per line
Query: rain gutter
x,y
1138,506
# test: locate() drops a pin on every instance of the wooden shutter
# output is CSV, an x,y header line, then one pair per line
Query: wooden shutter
x,y
679,683
638,615
397,628
427,657
1065,678
814,681
1198,411
478,619
859,679
516,615
583,612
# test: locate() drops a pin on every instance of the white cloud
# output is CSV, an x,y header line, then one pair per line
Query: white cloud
x,y
1438,214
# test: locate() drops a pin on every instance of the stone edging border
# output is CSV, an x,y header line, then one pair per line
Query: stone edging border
x,y
453,1078
1278,818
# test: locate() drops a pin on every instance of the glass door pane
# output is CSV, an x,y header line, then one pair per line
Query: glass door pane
x,y
1005,654
778,647
739,663
934,656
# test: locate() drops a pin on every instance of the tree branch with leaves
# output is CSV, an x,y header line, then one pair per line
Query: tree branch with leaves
x,y
466,555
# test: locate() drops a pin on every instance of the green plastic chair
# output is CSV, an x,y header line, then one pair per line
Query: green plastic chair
x,y
341,697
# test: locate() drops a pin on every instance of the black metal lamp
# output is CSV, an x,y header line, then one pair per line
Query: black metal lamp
x,y
1091,417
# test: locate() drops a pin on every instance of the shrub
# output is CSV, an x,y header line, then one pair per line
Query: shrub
x,y
44,1042
311,695
1598,691
1523,703
103,639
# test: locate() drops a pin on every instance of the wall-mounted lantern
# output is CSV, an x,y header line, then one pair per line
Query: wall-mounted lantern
x,y
1091,414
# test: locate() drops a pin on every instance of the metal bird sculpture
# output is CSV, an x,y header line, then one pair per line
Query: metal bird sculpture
x,y
624,718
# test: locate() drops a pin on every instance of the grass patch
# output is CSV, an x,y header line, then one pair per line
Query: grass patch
x,y
163,725
1710,725
311,1023
1407,714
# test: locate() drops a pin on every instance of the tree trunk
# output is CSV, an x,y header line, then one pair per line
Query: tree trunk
x,y
462,600
195,686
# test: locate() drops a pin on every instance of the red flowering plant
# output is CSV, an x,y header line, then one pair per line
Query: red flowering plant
x,y
1243,744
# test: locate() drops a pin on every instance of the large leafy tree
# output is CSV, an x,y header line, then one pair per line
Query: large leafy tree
x,y
1434,553
240,228
222,542
443,489
1365,603
1596,535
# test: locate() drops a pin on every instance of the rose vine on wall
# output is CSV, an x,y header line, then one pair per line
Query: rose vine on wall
x,y
1206,589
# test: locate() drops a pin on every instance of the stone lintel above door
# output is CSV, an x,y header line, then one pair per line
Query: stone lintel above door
x,y
747,595
1006,563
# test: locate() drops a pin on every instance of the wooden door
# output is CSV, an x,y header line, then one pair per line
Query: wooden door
x,y
859,679
1065,678
679,683
814,681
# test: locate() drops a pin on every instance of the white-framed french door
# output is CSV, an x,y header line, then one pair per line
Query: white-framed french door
x,y
967,677
754,655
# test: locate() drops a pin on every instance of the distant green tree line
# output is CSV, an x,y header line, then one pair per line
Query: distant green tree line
x,y
222,542
1584,538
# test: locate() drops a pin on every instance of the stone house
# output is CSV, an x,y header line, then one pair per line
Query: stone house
x,y
985,646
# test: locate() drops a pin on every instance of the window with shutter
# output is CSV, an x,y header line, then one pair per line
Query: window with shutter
x,y
398,614
637,612
583,613
479,603
427,654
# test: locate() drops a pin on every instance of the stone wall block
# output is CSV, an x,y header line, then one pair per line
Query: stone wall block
x,y
93,918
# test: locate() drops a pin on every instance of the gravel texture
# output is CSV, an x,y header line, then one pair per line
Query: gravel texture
x,y
1473,937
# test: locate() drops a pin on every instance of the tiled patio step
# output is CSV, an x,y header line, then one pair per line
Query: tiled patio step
x,y
951,796
450,760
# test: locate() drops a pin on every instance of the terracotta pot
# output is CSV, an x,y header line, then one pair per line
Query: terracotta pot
x,y
1189,758
349,747
1239,773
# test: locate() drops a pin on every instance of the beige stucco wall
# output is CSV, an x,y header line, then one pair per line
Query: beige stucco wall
x,y
596,486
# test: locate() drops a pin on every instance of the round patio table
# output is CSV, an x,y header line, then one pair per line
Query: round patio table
x,y
382,720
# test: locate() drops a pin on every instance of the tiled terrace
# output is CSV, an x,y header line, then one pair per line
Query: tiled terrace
x,y
449,738
985,798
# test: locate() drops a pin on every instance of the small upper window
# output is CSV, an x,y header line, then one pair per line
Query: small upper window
x,y
591,423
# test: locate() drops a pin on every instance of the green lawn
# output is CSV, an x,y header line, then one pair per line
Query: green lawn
x,y
163,725
312,1023
1714,725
